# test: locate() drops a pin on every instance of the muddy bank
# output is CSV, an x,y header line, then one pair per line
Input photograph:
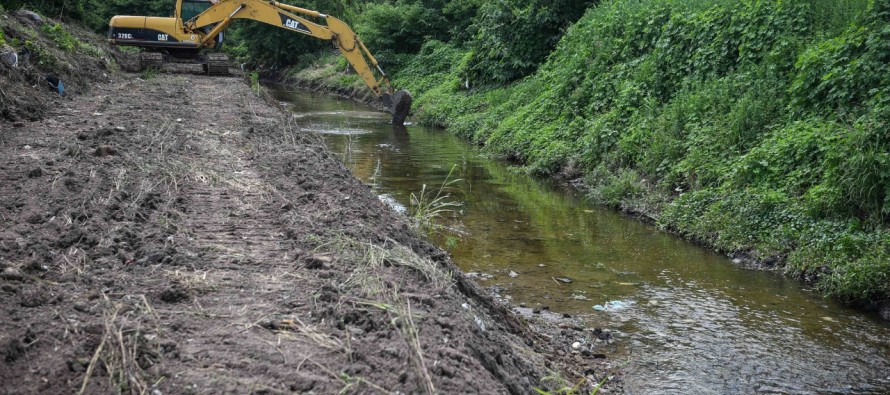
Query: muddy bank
x,y
359,94
327,79
178,234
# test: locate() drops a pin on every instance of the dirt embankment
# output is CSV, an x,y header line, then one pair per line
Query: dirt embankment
x,y
36,52
178,234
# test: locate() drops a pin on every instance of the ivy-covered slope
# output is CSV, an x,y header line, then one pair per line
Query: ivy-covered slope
x,y
754,126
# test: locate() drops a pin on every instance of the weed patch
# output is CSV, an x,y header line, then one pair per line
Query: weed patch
x,y
57,33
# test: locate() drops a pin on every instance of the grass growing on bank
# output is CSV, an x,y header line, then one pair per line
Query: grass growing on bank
x,y
430,207
754,126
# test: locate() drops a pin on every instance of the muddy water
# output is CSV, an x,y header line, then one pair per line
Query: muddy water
x,y
688,321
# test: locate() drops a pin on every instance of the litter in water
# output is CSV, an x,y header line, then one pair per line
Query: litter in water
x,y
612,306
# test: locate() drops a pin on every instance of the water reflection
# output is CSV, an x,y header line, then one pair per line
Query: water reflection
x,y
695,322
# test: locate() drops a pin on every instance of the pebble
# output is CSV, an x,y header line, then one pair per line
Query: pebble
x,y
564,280
30,15
105,150
576,345
12,274
513,274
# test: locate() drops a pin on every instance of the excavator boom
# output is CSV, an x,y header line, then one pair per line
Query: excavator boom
x,y
205,29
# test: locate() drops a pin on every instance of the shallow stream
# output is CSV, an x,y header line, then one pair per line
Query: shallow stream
x,y
688,321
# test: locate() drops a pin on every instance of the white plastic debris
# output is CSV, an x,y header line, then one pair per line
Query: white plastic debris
x,y
612,306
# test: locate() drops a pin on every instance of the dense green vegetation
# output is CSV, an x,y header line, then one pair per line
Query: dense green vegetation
x,y
757,126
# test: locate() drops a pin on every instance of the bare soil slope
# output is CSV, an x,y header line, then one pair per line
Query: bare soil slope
x,y
176,234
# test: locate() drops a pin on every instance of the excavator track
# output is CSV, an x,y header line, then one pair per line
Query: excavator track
x,y
150,61
217,64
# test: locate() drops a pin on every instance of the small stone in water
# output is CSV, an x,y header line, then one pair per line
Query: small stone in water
x,y
513,274
564,280
541,265
576,345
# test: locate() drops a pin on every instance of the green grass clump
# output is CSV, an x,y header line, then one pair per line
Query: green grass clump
x,y
43,56
57,33
430,207
254,81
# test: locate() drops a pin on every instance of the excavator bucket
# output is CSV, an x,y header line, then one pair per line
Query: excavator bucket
x,y
399,105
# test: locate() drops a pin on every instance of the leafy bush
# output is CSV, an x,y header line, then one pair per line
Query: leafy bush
x,y
60,36
843,73
271,47
43,57
616,189
513,37
400,27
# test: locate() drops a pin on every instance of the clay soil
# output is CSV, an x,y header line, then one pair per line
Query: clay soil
x,y
179,235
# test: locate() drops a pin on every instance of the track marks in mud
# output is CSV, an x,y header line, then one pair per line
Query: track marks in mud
x,y
222,251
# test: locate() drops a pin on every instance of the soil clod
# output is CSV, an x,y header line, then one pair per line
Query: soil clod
x,y
104,150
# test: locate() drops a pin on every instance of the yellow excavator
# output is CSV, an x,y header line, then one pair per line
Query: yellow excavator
x,y
199,24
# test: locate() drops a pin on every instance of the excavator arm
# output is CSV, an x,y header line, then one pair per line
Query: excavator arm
x,y
285,16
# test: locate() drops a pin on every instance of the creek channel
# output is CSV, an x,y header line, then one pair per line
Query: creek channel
x,y
686,321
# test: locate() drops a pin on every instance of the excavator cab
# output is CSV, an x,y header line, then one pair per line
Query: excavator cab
x,y
191,8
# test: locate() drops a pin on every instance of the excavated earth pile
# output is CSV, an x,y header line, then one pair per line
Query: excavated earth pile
x,y
36,52
178,235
